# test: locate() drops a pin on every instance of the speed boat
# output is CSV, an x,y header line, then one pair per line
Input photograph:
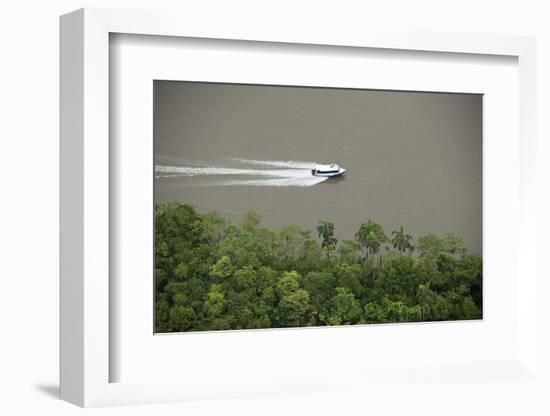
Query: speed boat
x,y
327,170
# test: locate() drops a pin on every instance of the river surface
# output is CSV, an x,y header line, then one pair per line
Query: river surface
x,y
412,158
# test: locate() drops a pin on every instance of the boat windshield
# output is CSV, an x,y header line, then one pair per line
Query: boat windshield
x,y
328,169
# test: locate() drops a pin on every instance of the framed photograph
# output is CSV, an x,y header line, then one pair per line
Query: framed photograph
x,y
270,212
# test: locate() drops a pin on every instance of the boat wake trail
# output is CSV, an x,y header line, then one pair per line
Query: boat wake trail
x,y
293,164
277,182
243,172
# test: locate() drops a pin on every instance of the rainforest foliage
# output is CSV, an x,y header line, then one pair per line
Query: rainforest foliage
x,y
211,274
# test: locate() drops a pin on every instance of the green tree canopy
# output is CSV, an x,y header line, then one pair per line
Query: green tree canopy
x,y
212,273
222,268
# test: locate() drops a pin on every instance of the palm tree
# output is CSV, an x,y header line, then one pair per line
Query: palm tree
x,y
371,236
402,241
325,229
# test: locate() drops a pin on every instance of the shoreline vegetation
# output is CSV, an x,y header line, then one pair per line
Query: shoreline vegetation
x,y
211,274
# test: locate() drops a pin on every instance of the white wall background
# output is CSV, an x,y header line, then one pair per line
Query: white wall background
x,y
29,205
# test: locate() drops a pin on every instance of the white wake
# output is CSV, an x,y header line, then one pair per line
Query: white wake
x,y
277,173
276,182
296,164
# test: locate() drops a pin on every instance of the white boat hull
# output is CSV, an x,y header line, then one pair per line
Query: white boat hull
x,y
339,172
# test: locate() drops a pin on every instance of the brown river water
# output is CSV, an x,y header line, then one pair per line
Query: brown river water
x,y
411,158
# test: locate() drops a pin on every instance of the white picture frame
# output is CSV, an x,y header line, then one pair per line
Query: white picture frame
x,y
85,352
